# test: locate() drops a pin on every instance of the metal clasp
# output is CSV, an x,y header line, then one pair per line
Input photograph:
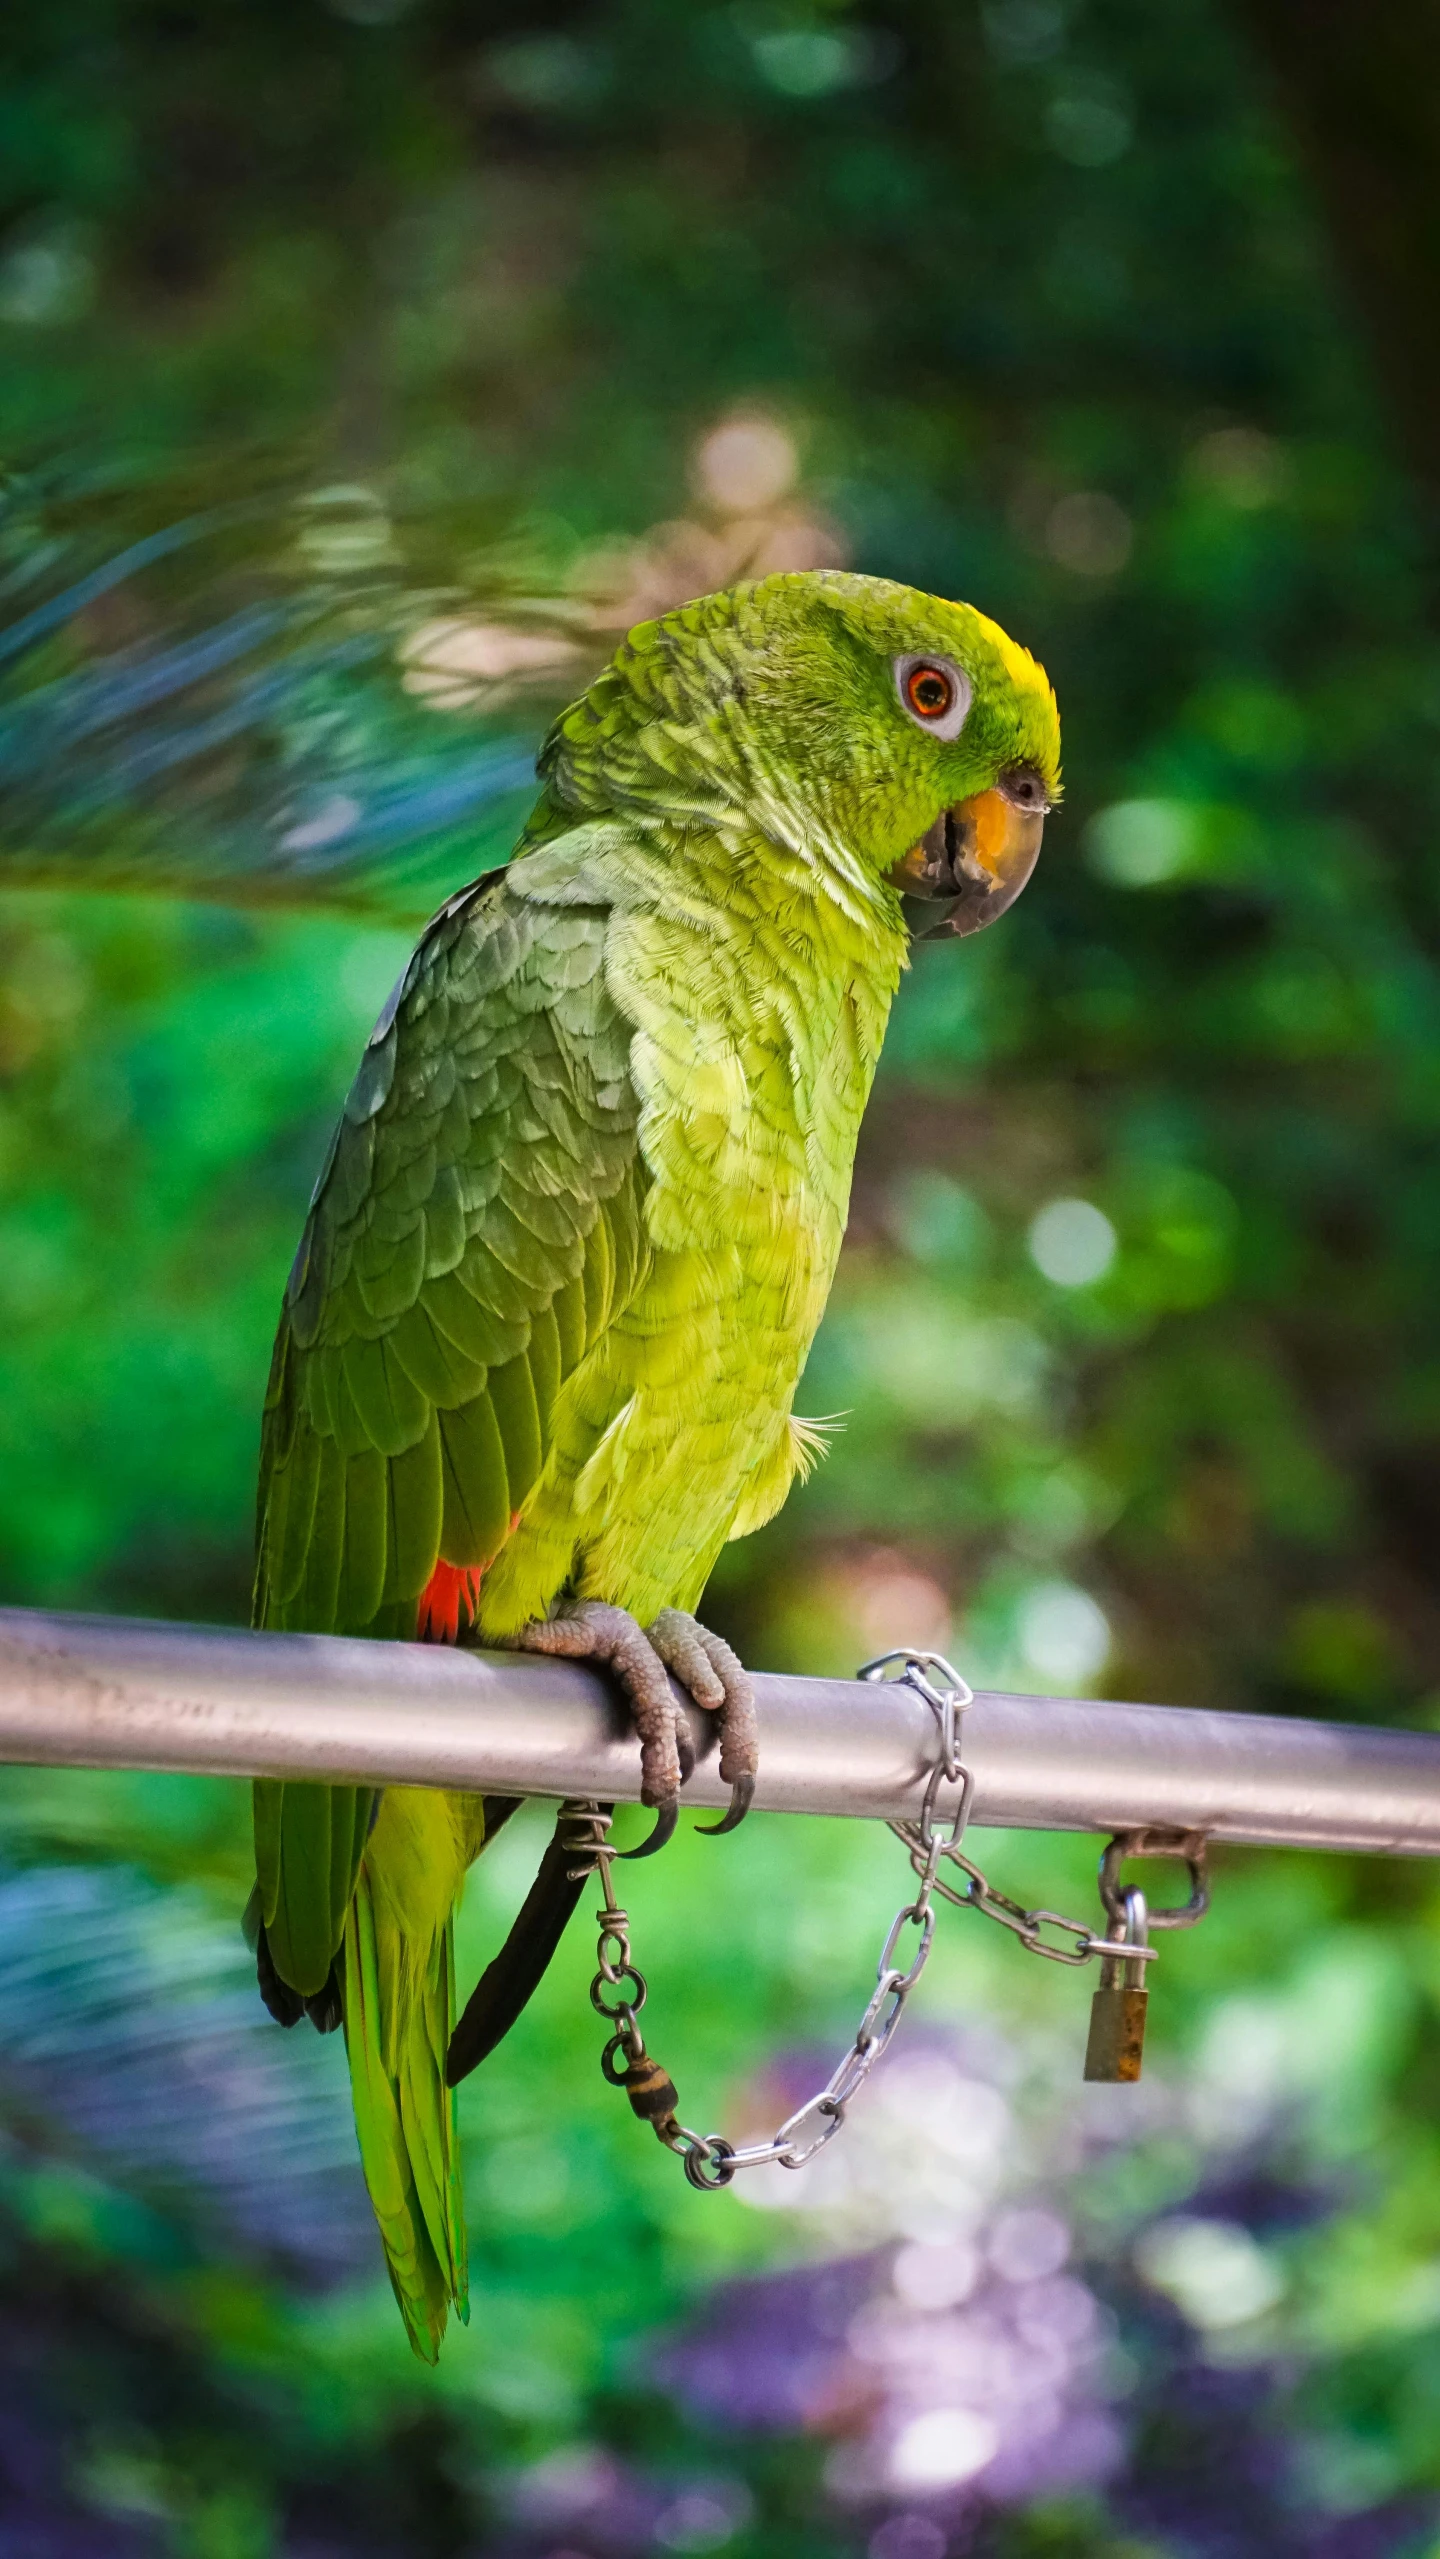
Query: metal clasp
x,y
1189,1846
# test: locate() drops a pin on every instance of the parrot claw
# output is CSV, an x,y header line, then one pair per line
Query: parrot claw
x,y
719,1682
666,1817
684,1750
742,1796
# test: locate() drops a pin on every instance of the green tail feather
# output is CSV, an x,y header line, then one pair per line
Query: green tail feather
x,y
399,2014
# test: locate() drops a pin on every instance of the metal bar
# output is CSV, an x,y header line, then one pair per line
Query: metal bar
x,y
115,1692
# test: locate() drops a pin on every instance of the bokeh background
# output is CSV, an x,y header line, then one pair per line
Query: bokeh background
x,y
364,368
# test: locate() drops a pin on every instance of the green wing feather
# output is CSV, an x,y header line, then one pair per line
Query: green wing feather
x,y
475,1228
455,1264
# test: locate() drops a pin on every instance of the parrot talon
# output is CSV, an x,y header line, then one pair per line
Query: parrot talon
x,y
719,1683
667,1816
742,1796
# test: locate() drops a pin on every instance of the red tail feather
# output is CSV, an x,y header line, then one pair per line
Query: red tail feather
x,y
453,1590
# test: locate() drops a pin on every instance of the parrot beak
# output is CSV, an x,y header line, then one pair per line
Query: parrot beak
x,y
974,861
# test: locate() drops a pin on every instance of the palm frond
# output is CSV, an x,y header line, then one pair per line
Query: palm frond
x,y
238,705
134,2053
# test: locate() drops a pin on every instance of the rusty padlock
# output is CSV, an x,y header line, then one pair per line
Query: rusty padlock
x,y
1117,2011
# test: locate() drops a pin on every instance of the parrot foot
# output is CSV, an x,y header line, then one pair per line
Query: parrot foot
x,y
594,1631
717,1680
640,1657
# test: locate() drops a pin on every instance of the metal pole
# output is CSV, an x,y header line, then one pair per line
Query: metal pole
x,y
112,1692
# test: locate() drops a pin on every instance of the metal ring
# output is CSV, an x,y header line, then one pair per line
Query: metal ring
x,y
947,1695
1109,1949
1188,1846
718,2154
623,2007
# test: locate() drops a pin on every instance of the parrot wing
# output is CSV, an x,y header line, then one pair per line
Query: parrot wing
x,y
477,1226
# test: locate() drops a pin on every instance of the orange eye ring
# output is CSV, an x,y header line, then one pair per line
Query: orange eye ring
x,y
929,691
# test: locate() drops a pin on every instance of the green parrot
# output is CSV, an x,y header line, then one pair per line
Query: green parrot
x,y
570,1247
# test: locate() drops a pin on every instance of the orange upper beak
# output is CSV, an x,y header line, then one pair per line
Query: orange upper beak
x,y
972,863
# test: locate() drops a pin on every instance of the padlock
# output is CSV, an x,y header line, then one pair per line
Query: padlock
x,y
1117,2011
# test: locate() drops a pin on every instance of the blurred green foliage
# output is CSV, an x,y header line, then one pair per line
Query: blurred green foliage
x,y
1134,1339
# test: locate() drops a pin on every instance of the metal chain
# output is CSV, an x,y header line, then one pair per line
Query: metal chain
x,y
710,2161
926,1848
587,1829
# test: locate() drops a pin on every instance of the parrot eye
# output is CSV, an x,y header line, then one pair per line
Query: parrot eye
x,y
935,693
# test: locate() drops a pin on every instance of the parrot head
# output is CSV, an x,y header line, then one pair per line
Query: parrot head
x,y
866,725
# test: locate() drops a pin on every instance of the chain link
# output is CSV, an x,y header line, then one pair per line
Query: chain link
x,y
710,2161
